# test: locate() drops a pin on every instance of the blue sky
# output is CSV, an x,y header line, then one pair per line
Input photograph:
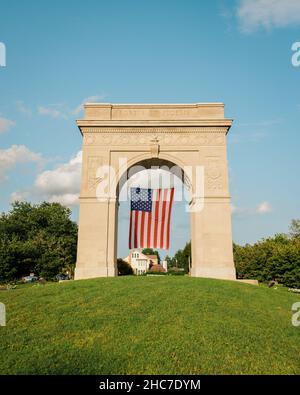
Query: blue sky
x,y
61,53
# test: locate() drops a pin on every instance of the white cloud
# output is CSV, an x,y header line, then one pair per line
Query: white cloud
x,y
18,196
242,212
228,14
264,208
53,111
253,14
65,112
61,184
67,199
22,108
261,209
236,210
6,124
253,132
89,99
14,155
254,137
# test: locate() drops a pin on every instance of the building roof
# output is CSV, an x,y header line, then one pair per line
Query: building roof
x,y
157,268
141,256
151,256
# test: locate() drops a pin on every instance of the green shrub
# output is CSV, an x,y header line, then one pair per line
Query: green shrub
x,y
124,269
156,273
176,272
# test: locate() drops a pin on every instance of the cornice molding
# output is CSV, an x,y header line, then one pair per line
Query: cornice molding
x,y
157,123
152,130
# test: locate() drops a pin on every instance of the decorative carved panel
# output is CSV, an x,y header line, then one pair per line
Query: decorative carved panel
x,y
117,139
213,173
93,164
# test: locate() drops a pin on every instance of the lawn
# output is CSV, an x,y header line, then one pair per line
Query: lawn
x,y
149,325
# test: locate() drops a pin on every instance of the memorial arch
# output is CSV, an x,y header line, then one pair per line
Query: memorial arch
x,y
116,138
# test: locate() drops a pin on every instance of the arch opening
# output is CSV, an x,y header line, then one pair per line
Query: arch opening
x,y
153,173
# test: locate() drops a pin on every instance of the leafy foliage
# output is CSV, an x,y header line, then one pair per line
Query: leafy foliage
x,y
175,271
181,258
151,251
295,228
124,269
274,258
36,238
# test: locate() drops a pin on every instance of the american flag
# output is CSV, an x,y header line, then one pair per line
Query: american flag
x,y
150,216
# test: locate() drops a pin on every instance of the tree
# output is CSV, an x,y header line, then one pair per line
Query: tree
x,y
170,261
276,257
181,258
124,269
151,251
36,238
295,228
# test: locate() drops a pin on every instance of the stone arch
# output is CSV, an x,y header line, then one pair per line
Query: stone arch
x,y
147,162
191,136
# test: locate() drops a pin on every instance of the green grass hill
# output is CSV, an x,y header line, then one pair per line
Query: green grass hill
x,y
149,325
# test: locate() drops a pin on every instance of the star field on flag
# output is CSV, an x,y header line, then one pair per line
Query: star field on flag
x,y
150,217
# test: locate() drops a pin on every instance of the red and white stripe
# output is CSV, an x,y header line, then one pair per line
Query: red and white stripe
x,y
152,229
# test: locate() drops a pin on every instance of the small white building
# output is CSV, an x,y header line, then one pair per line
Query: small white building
x,y
140,262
